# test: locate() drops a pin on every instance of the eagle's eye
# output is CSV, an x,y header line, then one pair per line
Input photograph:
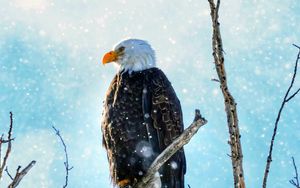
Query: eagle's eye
x,y
121,49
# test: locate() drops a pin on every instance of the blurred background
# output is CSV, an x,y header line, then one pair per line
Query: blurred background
x,y
51,75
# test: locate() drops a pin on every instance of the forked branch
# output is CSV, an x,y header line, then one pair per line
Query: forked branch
x,y
8,141
295,180
20,173
287,97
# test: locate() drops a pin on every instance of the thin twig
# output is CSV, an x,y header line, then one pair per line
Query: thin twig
x,y
10,176
296,181
296,46
8,149
20,175
215,80
230,104
293,95
178,143
285,100
1,150
66,163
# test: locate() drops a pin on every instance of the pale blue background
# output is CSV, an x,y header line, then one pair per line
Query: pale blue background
x,y
50,74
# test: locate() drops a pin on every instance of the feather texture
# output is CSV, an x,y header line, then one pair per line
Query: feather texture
x,y
145,118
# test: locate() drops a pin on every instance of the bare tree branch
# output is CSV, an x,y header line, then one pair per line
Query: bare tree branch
x,y
296,46
1,138
285,100
2,141
293,95
8,149
230,104
178,143
296,181
66,163
215,80
20,175
9,175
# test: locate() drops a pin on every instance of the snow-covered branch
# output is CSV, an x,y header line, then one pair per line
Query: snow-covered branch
x,y
178,143
286,99
230,104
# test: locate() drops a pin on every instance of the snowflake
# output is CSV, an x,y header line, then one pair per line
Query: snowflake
x,y
173,165
146,115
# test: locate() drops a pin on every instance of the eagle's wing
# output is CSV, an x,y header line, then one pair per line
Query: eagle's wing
x,y
167,120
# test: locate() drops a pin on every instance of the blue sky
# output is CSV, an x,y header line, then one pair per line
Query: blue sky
x,y
51,74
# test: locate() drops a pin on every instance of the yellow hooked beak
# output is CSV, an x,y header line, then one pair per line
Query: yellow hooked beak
x,y
110,57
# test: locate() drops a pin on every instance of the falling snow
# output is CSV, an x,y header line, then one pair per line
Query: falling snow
x,y
146,115
173,165
141,173
50,53
145,90
144,149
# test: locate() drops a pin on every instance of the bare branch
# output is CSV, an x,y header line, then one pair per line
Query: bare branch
x,y
217,8
6,141
215,80
20,175
296,46
8,149
9,175
230,104
178,143
0,152
293,95
66,163
296,181
284,101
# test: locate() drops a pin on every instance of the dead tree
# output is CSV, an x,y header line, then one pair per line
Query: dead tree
x,y
20,174
287,97
230,104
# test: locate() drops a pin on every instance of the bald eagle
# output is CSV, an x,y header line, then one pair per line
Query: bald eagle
x,y
141,117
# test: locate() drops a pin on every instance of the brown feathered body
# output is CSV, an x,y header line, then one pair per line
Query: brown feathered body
x,y
142,116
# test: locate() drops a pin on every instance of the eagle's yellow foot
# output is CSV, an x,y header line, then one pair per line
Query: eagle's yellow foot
x,y
123,182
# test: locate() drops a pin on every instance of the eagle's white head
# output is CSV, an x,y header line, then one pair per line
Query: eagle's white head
x,y
131,55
